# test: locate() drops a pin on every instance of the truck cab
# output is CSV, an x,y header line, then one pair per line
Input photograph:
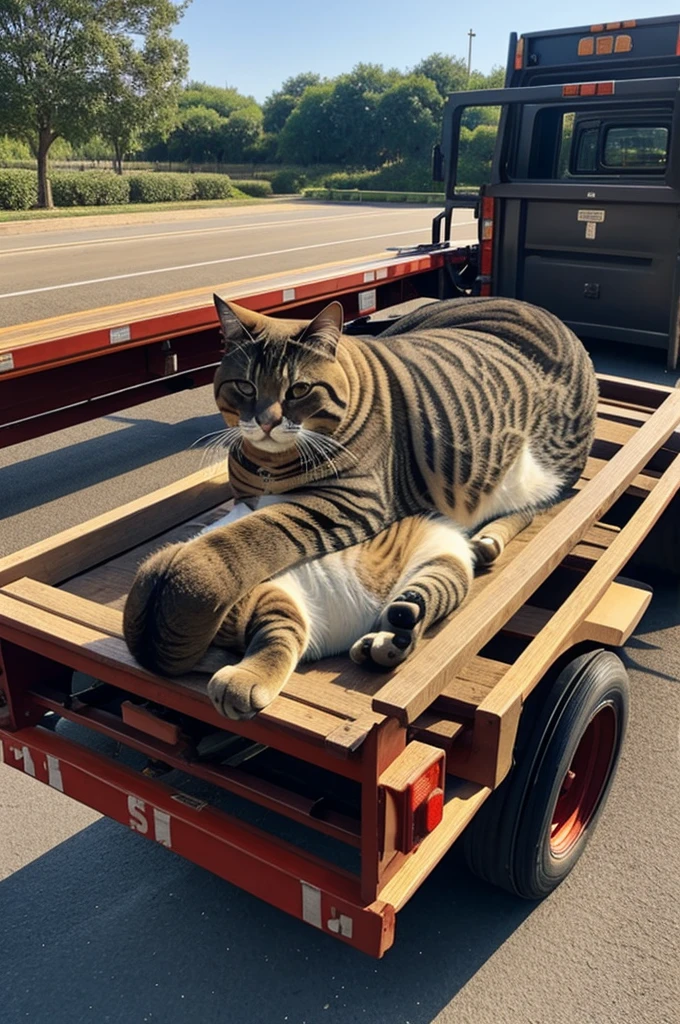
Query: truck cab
x,y
581,211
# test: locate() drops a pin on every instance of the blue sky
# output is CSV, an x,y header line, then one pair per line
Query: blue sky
x,y
254,47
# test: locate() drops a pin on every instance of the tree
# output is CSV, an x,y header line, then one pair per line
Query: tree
x,y
278,107
224,101
141,89
198,137
56,58
304,138
409,118
240,132
448,73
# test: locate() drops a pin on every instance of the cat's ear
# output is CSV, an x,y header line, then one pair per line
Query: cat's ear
x,y
237,323
323,333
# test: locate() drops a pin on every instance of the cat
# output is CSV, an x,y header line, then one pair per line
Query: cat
x,y
375,599
471,408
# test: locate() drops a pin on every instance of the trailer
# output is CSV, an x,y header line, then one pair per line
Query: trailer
x,y
337,800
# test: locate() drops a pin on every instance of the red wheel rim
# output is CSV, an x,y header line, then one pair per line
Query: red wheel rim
x,y
584,782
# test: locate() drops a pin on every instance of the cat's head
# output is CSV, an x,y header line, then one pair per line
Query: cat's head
x,y
279,380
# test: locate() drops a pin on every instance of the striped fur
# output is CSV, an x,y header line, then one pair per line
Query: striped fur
x,y
472,408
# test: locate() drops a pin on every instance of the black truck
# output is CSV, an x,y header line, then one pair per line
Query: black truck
x,y
581,213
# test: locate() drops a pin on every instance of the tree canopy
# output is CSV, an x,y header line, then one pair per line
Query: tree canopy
x,y
64,62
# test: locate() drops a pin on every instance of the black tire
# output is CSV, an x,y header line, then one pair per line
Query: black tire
x,y
521,839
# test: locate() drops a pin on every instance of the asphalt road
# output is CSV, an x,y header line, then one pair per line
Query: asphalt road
x,y
50,272
98,924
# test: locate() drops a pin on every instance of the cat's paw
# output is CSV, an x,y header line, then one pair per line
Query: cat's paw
x,y
486,549
238,693
385,649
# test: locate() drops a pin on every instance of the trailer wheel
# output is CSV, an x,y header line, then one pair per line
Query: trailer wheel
x,y
531,831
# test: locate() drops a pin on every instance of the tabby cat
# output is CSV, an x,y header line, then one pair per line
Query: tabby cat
x,y
472,408
375,599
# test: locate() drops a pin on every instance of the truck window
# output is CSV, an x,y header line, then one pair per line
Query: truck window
x,y
586,156
636,147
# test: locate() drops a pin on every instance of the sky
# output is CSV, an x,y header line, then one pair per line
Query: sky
x,y
255,48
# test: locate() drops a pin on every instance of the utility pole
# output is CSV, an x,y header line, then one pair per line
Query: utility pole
x,y
471,36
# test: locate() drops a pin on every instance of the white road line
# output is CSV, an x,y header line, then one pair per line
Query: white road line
x,y
160,235
211,263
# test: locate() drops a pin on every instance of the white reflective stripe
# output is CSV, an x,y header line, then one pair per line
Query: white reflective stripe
x,y
311,904
54,773
161,827
29,767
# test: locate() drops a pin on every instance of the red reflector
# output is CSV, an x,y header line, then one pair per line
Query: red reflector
x,y
605,88
519,54
434,809
588,89
612,25
422,787
570,90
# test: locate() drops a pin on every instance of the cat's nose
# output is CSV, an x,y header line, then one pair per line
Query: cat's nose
x,y
269,417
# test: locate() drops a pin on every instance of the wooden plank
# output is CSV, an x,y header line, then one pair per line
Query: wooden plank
x,y
410,692
463,801
92,651
634,392
333,685
433,728
80,547
569,623
474,681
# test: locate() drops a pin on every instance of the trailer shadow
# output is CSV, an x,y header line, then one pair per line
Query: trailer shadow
x,y
27,481
110,927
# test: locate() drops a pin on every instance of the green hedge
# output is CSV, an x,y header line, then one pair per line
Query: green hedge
x,y
260,188
288,182
18,189
213,186
161,187
357,195
89,188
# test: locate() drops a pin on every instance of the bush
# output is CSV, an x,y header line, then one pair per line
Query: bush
x,y
161,187
259,189
288,182
18,189
401,176
89,188
213,186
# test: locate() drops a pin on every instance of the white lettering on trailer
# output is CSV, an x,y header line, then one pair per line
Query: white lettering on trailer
x,y
288,294
311,904
24,754
54,773
136,809
139,821
6,362
381,273
591,230
340,925
161,826
369,275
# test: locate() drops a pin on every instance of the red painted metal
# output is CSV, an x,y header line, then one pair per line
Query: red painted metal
x,y
300,884
64,381
584,782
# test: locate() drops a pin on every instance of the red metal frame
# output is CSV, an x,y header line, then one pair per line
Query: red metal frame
x,y
71,379
275,871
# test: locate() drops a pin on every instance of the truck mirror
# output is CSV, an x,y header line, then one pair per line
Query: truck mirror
x,y
437,163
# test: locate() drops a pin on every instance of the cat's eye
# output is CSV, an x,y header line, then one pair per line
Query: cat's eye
x,y
245,388
299,390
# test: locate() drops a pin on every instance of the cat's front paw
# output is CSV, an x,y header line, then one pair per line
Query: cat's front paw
x,y
486,549
384,649
238,693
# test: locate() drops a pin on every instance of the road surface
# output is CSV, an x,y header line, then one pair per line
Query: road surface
x,y
98,924
56,271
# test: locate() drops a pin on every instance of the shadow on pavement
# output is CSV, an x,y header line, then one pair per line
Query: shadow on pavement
x,y
102,458
110,927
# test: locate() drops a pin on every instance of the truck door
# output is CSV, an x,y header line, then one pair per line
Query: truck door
x,y
589,226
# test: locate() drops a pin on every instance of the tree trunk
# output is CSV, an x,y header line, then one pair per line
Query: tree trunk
x,y
45,140
118,160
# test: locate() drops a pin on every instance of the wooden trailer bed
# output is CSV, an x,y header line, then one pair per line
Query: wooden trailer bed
x,y
557,585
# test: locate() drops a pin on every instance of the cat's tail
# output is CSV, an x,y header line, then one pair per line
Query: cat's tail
x,y
173,610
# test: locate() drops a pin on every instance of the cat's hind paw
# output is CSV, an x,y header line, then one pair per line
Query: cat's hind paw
x,y
238,693
384,649
486,549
